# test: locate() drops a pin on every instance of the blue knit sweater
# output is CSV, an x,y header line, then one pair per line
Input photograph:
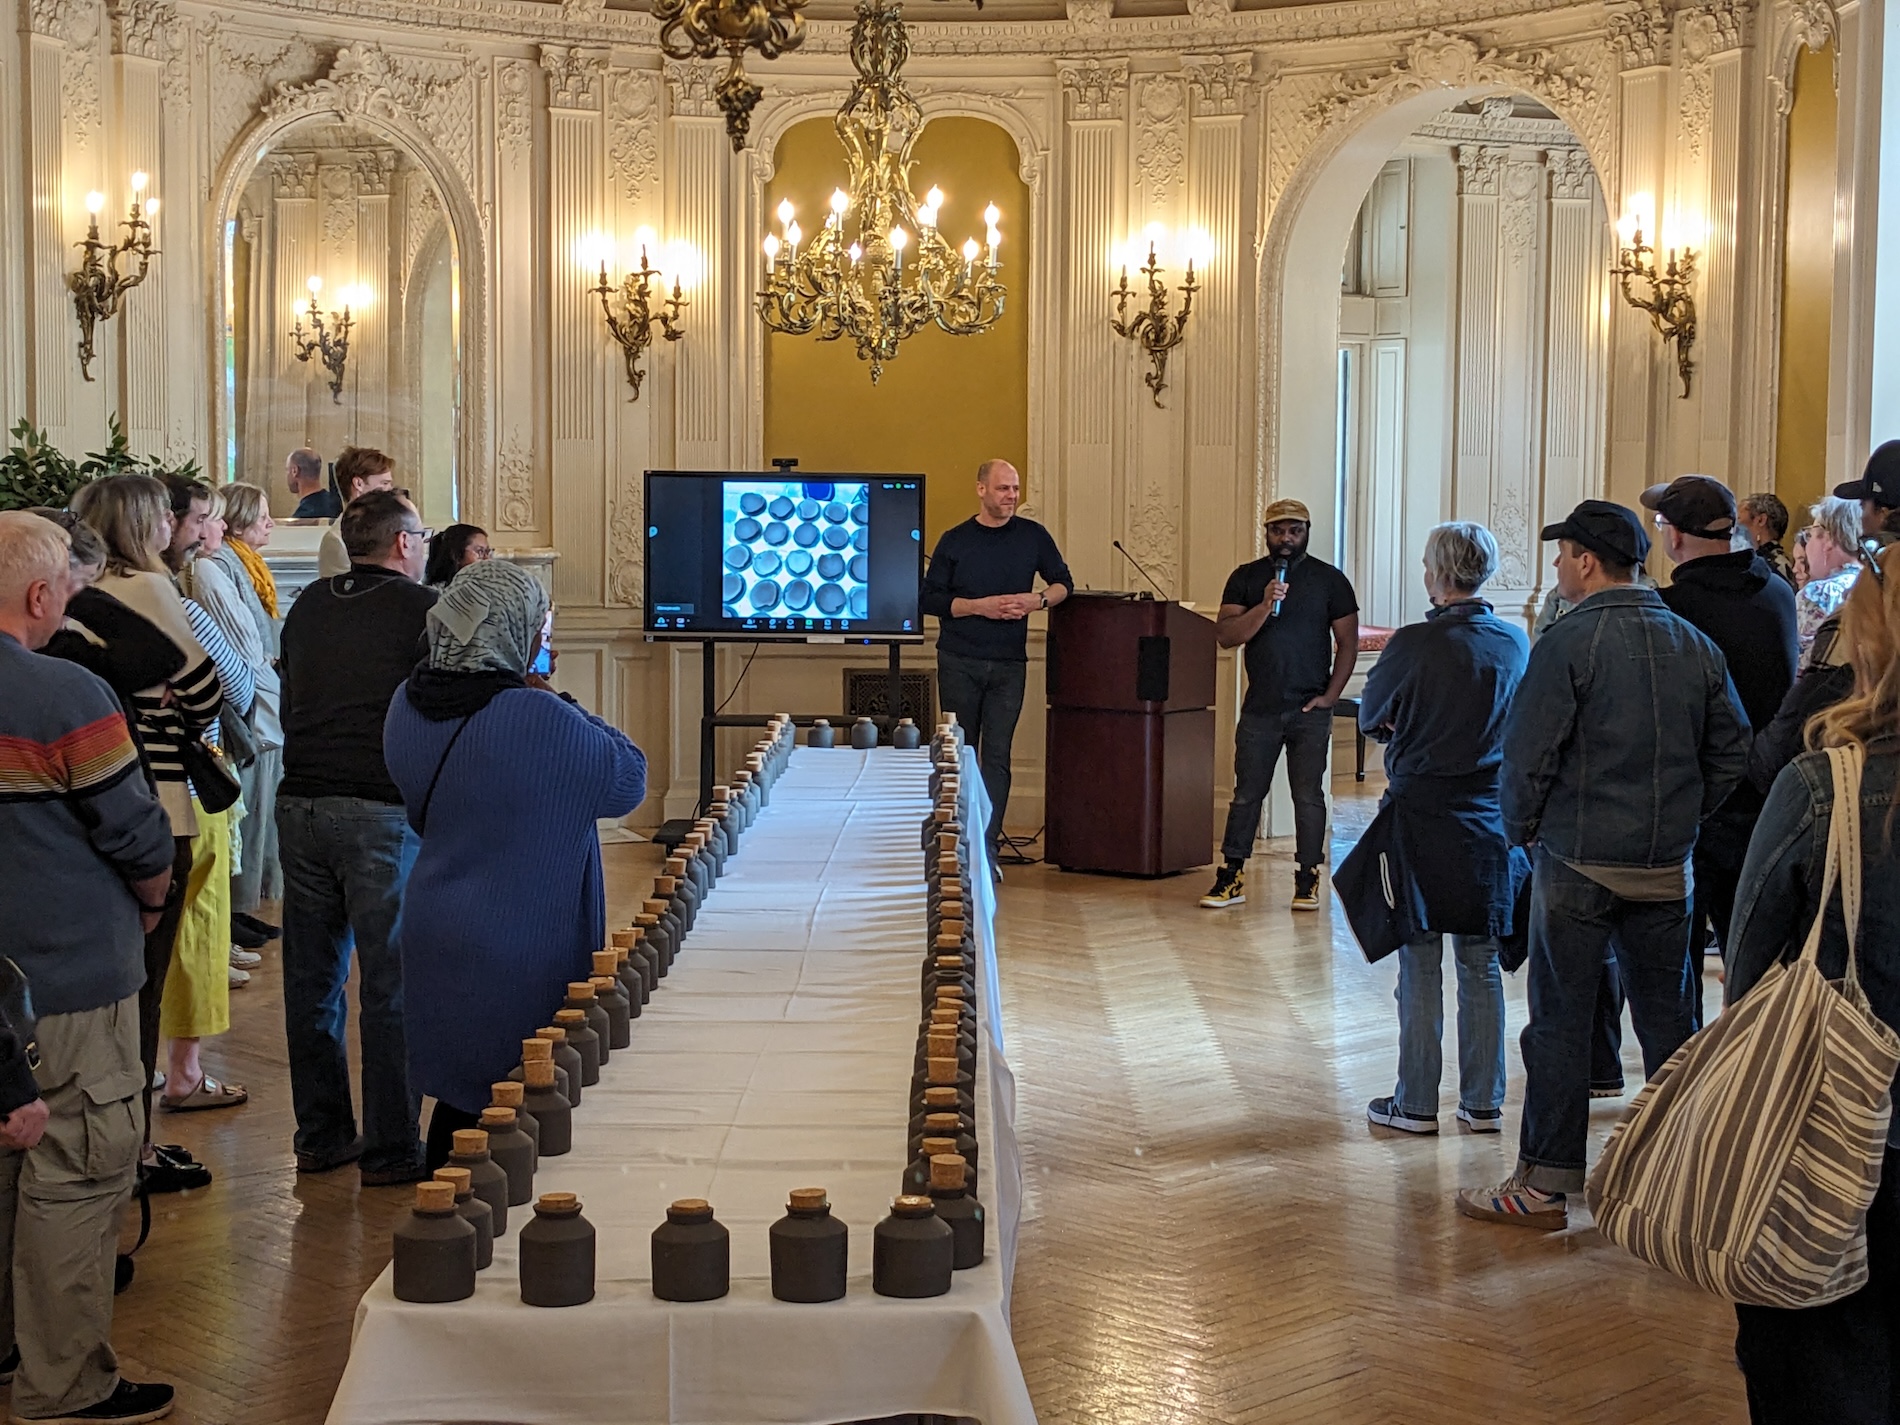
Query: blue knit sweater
x,y
505,905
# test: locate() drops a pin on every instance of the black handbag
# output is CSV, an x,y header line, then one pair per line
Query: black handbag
x,y
1376,890
211,781
237,735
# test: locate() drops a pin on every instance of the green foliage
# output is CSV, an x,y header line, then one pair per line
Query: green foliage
x,y
33,471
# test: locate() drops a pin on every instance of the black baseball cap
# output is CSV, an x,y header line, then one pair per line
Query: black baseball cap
x,y
1606,529
1699,506
1879,482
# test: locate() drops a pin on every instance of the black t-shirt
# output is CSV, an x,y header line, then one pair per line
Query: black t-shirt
x,y
1291,658
349,642
973,561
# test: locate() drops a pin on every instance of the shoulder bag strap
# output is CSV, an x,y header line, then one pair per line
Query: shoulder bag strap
x,y
1811,948
1847,764
422,816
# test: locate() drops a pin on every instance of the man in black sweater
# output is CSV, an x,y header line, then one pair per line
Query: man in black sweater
x,y
981,588
349,643
1735,598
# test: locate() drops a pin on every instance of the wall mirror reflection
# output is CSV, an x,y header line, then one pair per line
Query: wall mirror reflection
x,y
342,292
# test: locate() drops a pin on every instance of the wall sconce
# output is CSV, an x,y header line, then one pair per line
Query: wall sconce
x,y
1153,328
98,287
1662,291
328,340
631,311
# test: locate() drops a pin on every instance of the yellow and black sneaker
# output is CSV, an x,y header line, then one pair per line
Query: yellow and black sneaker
x,y
1230,888
1306,889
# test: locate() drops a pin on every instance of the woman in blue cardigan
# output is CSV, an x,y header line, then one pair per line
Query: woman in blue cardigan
x,y
503,779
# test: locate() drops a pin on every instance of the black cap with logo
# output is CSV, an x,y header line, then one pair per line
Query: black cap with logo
x,y
1606,529
1879,482
1698,505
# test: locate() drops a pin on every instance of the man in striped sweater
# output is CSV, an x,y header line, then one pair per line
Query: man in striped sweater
x,y
87,870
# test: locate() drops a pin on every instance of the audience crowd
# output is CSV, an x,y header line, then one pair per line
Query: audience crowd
x,y
1639,785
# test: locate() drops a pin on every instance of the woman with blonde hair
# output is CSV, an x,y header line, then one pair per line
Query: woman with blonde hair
x,y
133,515
1841,1361
1834,562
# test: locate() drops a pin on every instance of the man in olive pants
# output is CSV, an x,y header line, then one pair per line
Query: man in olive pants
x,y
88,863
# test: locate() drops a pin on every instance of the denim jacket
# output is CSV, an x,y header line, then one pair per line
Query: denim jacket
x,y
1781,883
1625,733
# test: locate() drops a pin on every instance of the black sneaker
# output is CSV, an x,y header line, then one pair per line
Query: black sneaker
x,y
9,1363
416,1172
244,938
1306,889
1229,888
130,1404
252,925
327,1162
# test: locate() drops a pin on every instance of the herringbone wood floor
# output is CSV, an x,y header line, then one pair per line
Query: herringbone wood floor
x,y
1212,1234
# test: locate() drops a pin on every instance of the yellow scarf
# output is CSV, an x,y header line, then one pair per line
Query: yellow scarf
x,y
261,577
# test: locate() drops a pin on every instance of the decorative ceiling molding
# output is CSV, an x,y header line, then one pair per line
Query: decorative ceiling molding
x,y
1097,89
575,77
1439,60
1219,81
1806,24
1500,126
1639,32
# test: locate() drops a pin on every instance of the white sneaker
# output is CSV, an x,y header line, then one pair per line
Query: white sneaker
x,y
239,978
242,959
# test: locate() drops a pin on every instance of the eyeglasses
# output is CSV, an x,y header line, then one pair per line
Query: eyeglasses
x,y
424,533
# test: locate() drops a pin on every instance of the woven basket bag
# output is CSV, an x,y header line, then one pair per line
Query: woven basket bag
x,y
1748,1163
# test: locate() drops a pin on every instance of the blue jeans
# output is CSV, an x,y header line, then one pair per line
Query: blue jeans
x,y
1421,996
1258,738
345,864
986,694
1574,923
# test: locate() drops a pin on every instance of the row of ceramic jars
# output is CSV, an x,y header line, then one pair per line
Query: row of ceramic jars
x,y
905,737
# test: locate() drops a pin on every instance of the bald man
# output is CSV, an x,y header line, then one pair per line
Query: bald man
x,y
981,588
303,472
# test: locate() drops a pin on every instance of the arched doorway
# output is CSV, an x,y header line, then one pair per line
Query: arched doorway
x,y
1440,339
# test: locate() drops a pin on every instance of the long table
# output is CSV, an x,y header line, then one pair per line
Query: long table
x,y
777,1054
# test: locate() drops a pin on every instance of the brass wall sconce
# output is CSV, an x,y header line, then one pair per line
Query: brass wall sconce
x,y
327,340
98,287
1153,328
1662,290
632,311
703,28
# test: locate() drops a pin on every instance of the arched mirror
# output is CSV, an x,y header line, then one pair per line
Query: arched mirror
x,y
342,317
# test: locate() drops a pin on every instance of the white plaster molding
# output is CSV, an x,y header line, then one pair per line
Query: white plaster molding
x,y
1806,24
633,132
514,484
1097,89
574,77
1480,169
690,85
1160,136
1219,81
144,29
514,107
1639,32
1440,60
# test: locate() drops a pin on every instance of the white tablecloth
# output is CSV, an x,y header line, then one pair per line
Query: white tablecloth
x,y
777,1054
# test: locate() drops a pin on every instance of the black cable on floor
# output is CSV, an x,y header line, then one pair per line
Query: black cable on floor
x,y
738,684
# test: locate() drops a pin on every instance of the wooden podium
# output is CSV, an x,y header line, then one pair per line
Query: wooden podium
x,y
1129,785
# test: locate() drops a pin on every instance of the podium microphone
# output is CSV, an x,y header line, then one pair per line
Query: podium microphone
x,y
1279,576
1138,569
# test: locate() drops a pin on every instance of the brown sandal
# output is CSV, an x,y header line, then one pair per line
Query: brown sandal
x,y
209,1094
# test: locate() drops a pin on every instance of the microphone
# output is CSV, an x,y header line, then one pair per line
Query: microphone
x,y
1279,574
1138,569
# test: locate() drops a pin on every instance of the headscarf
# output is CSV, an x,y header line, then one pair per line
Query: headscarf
x,y
262,579
481,633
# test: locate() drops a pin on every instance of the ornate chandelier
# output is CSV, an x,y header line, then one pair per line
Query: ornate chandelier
x,y
702,28
879,270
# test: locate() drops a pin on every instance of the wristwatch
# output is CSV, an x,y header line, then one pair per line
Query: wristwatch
x,y
1045,598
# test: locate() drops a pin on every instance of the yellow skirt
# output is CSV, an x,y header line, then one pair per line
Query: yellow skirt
x,y
197,998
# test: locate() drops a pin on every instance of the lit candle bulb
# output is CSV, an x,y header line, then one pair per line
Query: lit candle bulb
x,y
934,198
139,180
898,239
855,252
315,284
151,208
927,216
95,203
771,247
785,211
840,200
970,250
992,215
793,234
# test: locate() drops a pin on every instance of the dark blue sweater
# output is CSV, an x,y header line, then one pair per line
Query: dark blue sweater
x,y
973,561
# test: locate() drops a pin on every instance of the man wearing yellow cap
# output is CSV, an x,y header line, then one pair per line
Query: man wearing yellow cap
x,y
1298,619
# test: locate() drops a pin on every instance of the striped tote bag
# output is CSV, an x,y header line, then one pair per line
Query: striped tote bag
x,y
1747,1164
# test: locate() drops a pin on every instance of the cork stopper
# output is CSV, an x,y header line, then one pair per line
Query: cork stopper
x,y
461,1179
558,1204
690,1209
497,1119
621,957
949,942
944,1014
940,815
621,939
654,908
435,1199
947,1170
943,1125
568,1020
946,841
942,1043
940,1098
952,992
721,793
473,1142
912,1206
808,1200
676,865
606,961
506,1094
647,919
538,1049
665,885
582,990
942,1071
744,777
932,1147
538,1075
603,984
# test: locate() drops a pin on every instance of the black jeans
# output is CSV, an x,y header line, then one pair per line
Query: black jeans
x,y
1307,738
1837,1364
986,694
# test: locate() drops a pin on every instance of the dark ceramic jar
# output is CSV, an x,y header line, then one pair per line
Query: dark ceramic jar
x,y
907,736
486,1178
863,734
617,965
917,1172
938,1100
512,1151
472,1210
568,1059
551,1110
956,1205
512,1093
810,1249
434,1249
821,734
530,1053
654,935
556,1248
584,996
582,1040
913,1251
609,995
692,1254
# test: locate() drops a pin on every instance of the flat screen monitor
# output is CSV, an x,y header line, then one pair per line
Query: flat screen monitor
x,y
793,555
